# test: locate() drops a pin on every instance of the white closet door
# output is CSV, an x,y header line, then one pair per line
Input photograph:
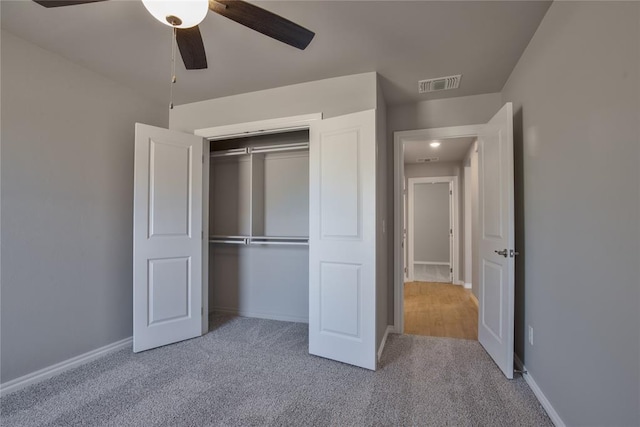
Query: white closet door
x,y
167,237
496,251
342,239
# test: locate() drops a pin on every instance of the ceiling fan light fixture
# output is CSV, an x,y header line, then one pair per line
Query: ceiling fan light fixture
x,y
178,13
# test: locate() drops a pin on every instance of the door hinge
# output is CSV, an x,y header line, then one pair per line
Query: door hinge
x,y
450,193
451,270
451,231
405,270
201,311
202,234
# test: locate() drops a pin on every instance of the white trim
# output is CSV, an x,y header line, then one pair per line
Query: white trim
x,y
206,168
388,331
258,314
58,368
467,285
398,210
262,127
437,133
459,282
468,225
555,418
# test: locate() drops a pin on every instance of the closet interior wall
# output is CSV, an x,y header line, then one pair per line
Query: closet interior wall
x,y
259,226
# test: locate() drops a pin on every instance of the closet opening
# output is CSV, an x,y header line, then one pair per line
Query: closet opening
x,y
259,226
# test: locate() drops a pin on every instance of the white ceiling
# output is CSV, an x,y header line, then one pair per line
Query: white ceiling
x,y
450,150
403,41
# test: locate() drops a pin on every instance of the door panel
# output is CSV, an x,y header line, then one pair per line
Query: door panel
x,y
168,288
496,282
492,297
340,292
167,241
342,239
340,198
169,203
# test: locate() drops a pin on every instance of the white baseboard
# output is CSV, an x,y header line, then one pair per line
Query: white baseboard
x,y
259,315
384,340
459,282
58,368
467,285
555,418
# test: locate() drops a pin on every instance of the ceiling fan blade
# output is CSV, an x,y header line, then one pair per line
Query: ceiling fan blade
x,y
191,48
263,22
59,3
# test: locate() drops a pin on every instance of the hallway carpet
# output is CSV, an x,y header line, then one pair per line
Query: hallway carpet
x,y
252,372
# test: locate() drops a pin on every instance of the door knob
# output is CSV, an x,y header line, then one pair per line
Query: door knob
x,y
503,252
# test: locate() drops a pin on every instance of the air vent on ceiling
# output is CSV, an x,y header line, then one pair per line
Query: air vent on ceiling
x,y
441,83
428,160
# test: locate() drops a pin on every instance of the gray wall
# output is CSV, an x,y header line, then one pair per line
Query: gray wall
x,y
332,97
576,95
67,207
465,110
431,222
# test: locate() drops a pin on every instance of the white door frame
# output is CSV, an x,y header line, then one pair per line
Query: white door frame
x,y
399,138
467,268
454,218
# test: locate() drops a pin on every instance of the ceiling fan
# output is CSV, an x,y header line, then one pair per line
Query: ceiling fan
x,y
185,15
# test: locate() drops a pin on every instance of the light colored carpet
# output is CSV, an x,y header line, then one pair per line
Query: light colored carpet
x,y
252,372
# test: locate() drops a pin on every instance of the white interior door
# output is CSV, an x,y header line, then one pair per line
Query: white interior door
x,y
342,239
496,246
167,237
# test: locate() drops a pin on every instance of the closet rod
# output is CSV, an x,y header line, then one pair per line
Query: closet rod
x,y
236,240
275,242
231,152
280,147
300,238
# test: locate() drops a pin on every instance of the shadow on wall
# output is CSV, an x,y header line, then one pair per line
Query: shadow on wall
x,y
518,171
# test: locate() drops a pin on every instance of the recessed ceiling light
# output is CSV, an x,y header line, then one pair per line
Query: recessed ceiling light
x,y
435,144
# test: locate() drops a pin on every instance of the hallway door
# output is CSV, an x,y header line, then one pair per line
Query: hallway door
x,y
496,239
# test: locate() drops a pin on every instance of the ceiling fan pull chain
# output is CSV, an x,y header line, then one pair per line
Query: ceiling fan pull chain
x,y
173,67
